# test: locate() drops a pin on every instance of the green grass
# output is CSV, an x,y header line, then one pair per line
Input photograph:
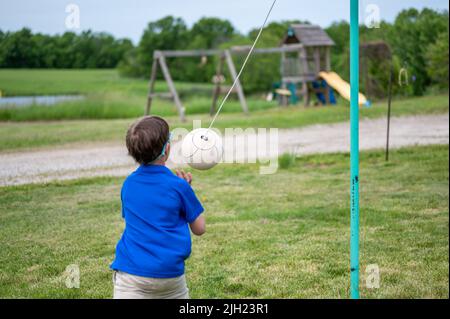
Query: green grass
x,y
286,160
107,95
279,236
14,82
19,135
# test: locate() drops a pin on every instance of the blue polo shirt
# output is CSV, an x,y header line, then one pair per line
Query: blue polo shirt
x,y
157,207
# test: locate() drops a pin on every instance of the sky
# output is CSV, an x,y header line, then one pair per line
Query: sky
x,y
128,18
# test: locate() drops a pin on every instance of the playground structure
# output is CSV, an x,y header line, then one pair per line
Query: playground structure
x,y
305,61
304,66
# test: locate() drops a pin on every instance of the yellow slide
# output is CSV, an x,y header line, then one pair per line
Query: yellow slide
x,y
342,87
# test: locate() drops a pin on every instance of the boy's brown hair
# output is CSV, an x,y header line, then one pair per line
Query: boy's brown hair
x,y
146,138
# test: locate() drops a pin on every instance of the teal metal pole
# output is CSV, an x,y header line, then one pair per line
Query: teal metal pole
x,y
354,149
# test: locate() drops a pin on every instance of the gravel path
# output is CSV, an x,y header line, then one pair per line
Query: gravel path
x,y
37,166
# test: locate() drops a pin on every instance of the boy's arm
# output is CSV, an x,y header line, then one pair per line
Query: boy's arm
x,y
198,226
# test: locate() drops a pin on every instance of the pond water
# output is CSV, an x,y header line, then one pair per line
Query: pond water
x,y
46,100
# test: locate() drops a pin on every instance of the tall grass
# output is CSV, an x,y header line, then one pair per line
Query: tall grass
x,y
107,95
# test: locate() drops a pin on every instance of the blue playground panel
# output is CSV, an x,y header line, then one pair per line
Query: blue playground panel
x,y
320,96
294,99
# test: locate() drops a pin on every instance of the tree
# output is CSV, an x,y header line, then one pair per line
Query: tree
x,y
339,32
23,49
411,36
212,32
2,54
130,64
207,33
437,60
65,50
18,50
168,33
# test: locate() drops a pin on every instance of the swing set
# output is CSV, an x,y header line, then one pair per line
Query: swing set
x,y
225,57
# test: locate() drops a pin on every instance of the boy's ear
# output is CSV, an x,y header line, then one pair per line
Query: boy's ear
x,y
167,150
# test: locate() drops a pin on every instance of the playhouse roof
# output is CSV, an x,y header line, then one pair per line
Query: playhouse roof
x,y
308,35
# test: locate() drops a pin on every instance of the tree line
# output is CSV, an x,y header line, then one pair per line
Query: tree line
x,y
418,41
23,49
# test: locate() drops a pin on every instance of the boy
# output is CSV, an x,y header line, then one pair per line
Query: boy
x,y
157,207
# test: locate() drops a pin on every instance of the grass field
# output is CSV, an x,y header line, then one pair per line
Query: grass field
x,y
278,236
107,95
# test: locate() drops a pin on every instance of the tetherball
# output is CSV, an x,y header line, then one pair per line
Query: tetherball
x,y
202,149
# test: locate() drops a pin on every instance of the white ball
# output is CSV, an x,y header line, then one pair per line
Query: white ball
x,y
202,149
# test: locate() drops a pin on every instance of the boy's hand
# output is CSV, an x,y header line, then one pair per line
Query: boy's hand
x,y
186,176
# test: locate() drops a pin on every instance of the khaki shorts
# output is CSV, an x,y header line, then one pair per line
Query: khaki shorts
x,y
127,286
